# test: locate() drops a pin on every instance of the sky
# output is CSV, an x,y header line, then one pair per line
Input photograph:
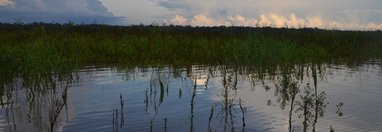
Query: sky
x,y
327,14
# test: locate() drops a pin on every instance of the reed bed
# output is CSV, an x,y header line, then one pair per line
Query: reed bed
x,y
60,48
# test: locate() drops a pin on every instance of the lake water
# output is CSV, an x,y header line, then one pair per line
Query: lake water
x,y
306,97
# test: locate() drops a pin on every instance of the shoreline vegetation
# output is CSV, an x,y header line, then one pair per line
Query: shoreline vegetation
x,y
45,60
61,48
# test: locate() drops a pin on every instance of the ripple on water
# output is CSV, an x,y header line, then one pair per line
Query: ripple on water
x,y
176,106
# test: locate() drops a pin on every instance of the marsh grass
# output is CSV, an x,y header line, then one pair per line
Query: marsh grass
x,y
36,48
43,57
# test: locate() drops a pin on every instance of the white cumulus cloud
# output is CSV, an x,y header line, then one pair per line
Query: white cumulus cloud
x,y
272,20
280,13
178,20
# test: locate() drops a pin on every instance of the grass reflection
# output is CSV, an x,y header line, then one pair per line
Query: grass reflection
x,y
294,87
40,60
46,97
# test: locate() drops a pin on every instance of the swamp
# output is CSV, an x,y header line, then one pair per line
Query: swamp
x,y
65,77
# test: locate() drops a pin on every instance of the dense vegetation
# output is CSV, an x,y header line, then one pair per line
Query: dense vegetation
x,y
59,48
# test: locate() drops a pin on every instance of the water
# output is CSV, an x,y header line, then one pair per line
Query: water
x,y
198,98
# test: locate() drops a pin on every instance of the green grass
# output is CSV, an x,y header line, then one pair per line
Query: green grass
x,y
42,57
28,49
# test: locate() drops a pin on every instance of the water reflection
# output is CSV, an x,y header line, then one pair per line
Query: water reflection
x,y
228,100
44,105
193,98
118,121
308,105
306,101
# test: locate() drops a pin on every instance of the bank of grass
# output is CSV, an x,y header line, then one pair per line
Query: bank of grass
x,y
26,49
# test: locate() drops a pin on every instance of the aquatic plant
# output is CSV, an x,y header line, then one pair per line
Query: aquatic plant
x,y
40,48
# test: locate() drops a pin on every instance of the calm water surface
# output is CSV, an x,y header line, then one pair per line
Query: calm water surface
x,y
306,97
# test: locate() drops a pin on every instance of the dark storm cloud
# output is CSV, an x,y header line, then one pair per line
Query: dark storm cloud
x,y
61,11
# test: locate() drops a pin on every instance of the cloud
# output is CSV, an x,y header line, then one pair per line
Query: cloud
x,y
242,21
320,13
267,6
6,3
61,11
272,20
178,20
202,20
